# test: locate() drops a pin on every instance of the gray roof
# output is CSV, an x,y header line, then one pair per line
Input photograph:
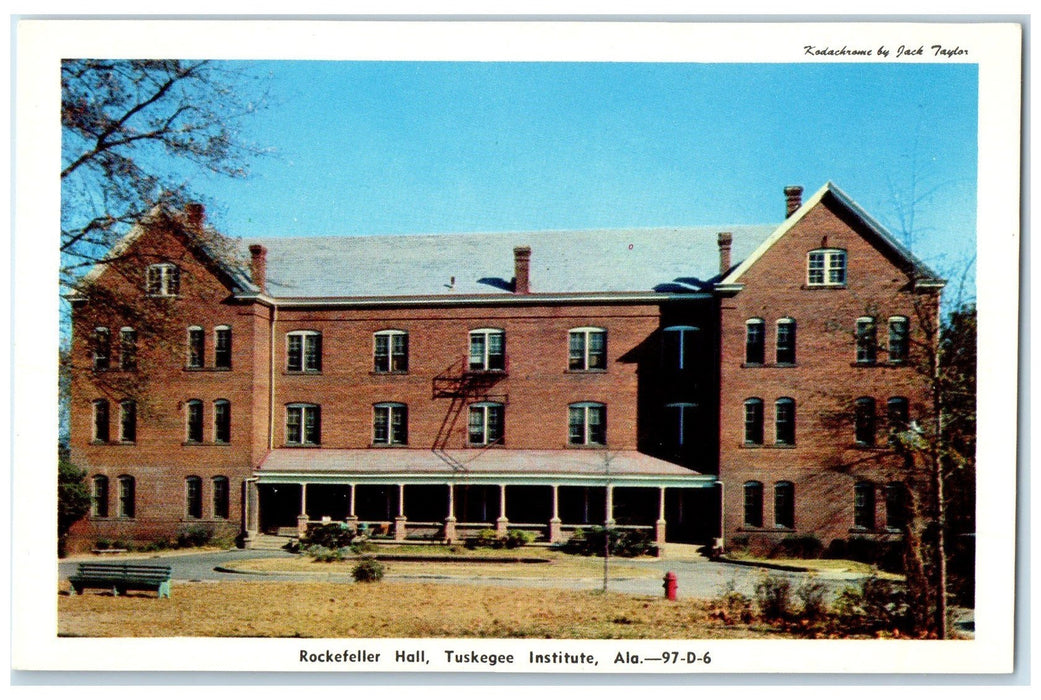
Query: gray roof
x,y
677,259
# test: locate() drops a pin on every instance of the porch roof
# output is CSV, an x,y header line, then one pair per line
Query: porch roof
x,y
393,465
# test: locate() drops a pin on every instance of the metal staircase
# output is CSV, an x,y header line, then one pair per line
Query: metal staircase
x,y
463,384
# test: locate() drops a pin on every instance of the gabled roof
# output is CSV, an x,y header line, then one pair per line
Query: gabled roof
x,y
923,275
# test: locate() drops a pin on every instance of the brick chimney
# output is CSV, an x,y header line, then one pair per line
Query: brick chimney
x,y
792,198
724,240
196,214
258,265
521,267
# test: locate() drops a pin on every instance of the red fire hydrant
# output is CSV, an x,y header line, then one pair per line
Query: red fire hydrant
x,y
670,585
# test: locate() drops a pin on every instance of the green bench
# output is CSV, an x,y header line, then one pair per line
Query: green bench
x,y
121,578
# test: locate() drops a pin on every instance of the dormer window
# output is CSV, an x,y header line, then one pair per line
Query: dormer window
x,y
163,280
826,267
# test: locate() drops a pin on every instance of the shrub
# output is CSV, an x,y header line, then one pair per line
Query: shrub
x,y
485,538
800,547
361,545
325,554
328,535
518,538
194,536
811,593
887,555
732,606
773,597
877,607
368,570
622,543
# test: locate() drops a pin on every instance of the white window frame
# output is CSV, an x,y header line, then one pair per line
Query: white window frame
x,y
128,414
390,337
223,499
191,499
191,361
587,409
485,423
163,280
760,326
792,329
483,361
906,349
784,401
310,352
127,349
217,330
193,424
219,404
390,410
584,359
101,350
99,488
826,267
306,411
99,425
779,488
758,424
126,496
866,340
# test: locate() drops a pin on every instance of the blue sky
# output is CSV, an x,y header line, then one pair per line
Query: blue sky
x,y
361,148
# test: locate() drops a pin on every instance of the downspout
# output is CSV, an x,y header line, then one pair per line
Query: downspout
x,y
271,379
721,544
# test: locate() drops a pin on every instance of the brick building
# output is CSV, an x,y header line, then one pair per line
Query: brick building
x,y
694,382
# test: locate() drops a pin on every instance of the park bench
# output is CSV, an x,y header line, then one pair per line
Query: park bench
x,y
121,578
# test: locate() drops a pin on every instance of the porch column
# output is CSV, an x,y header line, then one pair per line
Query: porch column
x,y
450,520
399,522
609,505
352,519
554,522
502,523
301,520
251,516
659,527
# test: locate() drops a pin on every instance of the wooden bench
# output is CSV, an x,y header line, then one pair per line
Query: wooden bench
x,y
122,578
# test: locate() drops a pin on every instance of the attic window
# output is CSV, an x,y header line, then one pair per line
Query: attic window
x,y
826,267
163,280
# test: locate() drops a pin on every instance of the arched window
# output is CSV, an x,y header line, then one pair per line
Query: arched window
x,y
755,341
196,347
826,267
390,424
864,421
485,424
101,433
127,349
753,504
222,347
193,421
786,341
896,506
864,505
304,351
222,421
898,338
127,496
784,421
163,280
587,349
753,421
303,424
784,504
193,497
867,344
897,412
101,348
390,351
487,349
99,497
127,421
221,497
587,423
680,345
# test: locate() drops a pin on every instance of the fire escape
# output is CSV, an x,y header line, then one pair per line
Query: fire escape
x,y
464,383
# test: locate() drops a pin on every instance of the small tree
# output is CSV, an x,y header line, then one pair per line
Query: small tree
x,y
73,499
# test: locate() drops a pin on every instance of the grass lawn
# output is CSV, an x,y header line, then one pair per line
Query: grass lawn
x,y
390,609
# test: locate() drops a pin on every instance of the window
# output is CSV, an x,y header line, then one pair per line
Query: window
x,y
303,424
896,505
390,424
680,344
898,344
304,351
390,351
753,421
101,421
753,504
485,424
127,421
866,343
864,421
680,419
193,497
826,267
587,349
127,349
126,497
784,504
785,421
222,421
897,413
587,424
864,506
755,341
194,421
164,280
786,341
222,347
101,348
99,497
487,350
221,497
196,347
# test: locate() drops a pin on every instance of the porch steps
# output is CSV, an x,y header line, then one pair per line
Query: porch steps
x,y
270,542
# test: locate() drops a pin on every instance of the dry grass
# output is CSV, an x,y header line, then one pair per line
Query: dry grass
x,y
389,609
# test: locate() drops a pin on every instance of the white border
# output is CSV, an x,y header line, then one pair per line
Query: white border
x,y
40,46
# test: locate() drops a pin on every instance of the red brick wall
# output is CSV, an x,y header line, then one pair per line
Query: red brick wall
x,y
824,464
